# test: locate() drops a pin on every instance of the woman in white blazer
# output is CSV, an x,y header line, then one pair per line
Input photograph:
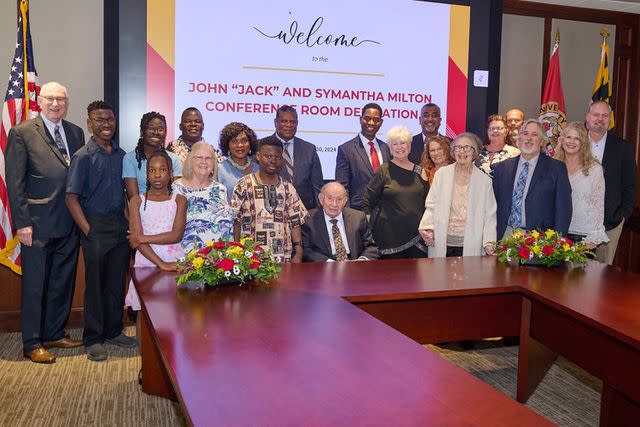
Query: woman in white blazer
x,y
460,215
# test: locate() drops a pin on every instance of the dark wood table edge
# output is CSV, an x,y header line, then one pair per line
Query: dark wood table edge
x,y
534,358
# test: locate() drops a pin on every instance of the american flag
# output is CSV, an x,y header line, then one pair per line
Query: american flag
x,y
19,105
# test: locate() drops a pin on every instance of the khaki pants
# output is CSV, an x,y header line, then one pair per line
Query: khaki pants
x,y
607,252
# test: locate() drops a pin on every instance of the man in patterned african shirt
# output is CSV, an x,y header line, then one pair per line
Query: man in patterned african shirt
x,y
267,208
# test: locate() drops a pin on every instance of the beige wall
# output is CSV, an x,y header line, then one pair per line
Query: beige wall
x,y
579,61
67,42
521,63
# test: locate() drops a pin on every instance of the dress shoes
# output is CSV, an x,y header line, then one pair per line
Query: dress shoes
x,y
96,352
64,342
123,341
40,355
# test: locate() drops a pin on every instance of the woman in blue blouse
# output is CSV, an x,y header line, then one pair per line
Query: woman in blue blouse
x,y
238,143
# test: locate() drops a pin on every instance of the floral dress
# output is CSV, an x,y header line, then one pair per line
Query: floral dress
x,y
485,162
209,216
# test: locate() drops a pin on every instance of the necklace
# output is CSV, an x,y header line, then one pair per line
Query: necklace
x,y
238,166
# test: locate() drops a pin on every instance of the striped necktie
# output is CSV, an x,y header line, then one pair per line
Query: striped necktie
x,y
515,219
60,144
288,162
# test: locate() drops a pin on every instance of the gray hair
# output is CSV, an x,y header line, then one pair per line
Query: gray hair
x,y
475,140
543,133
399,134
326,186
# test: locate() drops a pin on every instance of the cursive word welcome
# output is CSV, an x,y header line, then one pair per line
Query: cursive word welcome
x,y
310,39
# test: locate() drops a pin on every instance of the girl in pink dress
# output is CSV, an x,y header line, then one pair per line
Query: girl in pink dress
x,y
156,222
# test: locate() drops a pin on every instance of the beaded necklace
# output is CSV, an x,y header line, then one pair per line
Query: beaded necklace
x,y
238,166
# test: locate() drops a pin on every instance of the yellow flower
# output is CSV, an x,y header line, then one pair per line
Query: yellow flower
x,y
209,244
535,234
234,251
198,262
536,249
549,233
244,240
566,247
191,253
517,234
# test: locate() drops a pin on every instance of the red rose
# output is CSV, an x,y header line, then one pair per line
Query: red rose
x,y
568,241
235,244
255,265
225,264
257,248
529,241
205,251
255,257
219,245
547,250
524,252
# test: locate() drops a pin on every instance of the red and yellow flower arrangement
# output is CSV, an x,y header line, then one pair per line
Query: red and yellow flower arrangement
x,y
534,247
227,262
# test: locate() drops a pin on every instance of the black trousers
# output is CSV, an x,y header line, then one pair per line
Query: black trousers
x,y
48,280
454,251
106,258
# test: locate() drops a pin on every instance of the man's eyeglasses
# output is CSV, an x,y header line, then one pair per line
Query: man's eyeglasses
x,y
60,99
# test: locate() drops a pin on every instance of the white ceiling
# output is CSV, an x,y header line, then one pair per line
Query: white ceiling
x,y
629,6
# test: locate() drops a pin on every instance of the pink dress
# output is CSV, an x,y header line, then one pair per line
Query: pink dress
x,y
155,219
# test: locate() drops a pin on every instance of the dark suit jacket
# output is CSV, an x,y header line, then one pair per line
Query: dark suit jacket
x,y
620,180
37,175
307,171
315,236
353,169
417,148
548,201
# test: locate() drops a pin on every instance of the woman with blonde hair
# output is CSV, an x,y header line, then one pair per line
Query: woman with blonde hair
x,y
587,185
209,216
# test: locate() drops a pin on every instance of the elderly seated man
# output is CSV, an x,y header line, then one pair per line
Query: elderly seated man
x,y
335,232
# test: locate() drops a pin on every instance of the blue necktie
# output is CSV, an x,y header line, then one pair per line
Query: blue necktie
x,y
515,219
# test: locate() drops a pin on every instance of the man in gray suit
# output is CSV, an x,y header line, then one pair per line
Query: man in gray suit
x,y
359,158
335,232
301,164
39,151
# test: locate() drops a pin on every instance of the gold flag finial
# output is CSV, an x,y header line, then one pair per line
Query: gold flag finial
x,y
604,33
557,36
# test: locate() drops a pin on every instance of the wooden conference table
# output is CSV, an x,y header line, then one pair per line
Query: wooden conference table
x,y
338,343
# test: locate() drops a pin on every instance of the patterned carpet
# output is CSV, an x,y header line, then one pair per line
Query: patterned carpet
x,y
77,392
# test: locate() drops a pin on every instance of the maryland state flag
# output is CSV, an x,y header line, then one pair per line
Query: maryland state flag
x,y
20,104
553,114
602,86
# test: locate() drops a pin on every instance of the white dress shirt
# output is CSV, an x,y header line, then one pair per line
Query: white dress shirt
x,y
290,148
532,167
343,233
367,148
597,147
51,127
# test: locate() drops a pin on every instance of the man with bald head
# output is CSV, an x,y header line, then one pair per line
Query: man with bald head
x,y
514,118
335,232
617,159
39,152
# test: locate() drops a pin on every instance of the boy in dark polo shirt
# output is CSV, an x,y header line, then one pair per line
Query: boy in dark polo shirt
x,y
96,199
